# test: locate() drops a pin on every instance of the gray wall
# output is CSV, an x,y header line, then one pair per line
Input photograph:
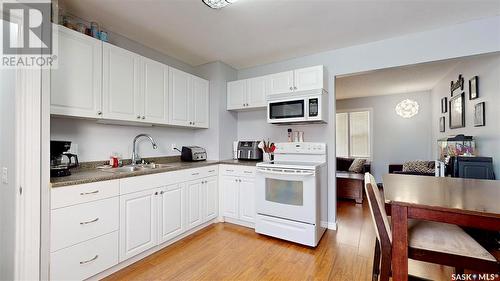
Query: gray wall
x,y
223,124
487,67
7,160
395,139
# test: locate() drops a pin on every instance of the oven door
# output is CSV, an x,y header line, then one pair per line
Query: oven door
x,y
288,194
286,111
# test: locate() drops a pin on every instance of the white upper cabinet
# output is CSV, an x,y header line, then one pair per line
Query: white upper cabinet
x,y
180,97
253,93
200,102
256,92
122,98
76,83
236,94
280,83
310,78
246,94
155,91
100,80
189,100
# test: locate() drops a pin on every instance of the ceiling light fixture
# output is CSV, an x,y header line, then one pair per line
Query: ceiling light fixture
x,y
218,4
407,108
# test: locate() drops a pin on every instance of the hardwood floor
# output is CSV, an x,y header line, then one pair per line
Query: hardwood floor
x,y
225,251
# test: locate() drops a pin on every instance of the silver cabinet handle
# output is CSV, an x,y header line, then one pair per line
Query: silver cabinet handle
x,y
91,221
229,170
195,174
247,172
91,260
211,171
88,193
99,112
138,117
295,88
156,193
143,117
291,88
193,123
161,192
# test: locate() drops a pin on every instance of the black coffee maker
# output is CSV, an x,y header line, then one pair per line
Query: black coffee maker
x,y
60,161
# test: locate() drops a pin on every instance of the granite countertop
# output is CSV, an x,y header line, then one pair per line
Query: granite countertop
x,y
88,173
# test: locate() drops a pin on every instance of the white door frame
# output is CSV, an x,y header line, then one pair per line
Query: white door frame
x,y
31,139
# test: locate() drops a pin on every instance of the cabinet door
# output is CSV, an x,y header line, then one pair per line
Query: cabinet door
x,y
280,83
200,108
310,78
122,98
193,196
75,86
229,186
179,97
171,212
236,94
247,200
155,92
210,197
256,92
138,222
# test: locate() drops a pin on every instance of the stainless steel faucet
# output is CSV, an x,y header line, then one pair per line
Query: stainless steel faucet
x,y
136,157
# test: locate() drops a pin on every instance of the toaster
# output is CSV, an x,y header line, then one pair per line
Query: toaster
x,y
249,150
193,153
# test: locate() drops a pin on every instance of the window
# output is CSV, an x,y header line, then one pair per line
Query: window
x,y
353,136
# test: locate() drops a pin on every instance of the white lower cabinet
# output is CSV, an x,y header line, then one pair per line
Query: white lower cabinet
x,y
238,199
247,199
138,222
193,190
86,259
171,212
154,216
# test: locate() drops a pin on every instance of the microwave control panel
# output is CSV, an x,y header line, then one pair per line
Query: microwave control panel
x,y
313,107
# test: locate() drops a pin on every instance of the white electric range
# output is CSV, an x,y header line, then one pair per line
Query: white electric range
x,y
291,193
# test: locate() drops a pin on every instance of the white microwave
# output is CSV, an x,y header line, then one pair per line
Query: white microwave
x,y
298,109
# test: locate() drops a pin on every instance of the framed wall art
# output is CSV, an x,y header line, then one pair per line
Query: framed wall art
x,y
444,105
457,111
479,115
442,124
474,88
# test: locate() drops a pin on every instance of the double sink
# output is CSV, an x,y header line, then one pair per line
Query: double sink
x,y
137,168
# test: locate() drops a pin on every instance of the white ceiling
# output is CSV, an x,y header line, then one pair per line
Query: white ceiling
x,y
390,81
254,32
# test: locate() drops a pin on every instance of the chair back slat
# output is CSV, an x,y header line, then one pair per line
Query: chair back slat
x,y
377,209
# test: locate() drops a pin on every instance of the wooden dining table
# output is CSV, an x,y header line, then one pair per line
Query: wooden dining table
x,y
465,202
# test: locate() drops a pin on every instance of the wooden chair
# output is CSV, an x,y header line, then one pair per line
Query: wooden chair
x,y
432,242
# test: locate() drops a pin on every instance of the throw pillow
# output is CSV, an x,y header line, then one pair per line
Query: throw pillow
x,y
357,166
419,166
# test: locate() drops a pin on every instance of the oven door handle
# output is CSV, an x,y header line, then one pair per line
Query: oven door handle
x,y
274,172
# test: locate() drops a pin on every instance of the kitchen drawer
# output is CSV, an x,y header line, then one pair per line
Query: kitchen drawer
x,y
75,224
83,193
203,172
235,170
86,259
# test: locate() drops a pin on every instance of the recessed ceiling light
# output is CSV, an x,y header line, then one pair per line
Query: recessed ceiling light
x,y
217,4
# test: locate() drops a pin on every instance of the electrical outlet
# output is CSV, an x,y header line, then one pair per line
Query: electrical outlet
x,y
5,175
173,147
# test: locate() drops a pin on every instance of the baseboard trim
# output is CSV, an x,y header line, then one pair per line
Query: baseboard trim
x,y
149,252
239,222
332,225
